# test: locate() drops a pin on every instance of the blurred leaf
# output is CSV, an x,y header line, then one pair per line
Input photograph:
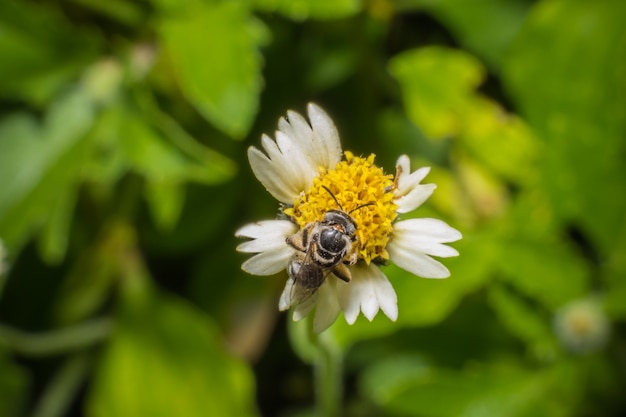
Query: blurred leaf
x,y
488,195
214,49
381,380
578,107
125,11
502,142
166,168
524,321
316,9
147,153
495,390
39,50
54,238
551,273
43,161
329,66
165,359
487,27
437,87
106,164
13,387
87,285
166,202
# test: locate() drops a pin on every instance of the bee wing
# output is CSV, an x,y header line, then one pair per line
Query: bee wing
x,y
305,277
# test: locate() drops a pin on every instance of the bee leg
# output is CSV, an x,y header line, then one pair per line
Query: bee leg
x,y
342,272
352,258
300,239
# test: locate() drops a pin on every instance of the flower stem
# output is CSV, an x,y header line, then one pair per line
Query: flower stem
x,y
328,378
324,353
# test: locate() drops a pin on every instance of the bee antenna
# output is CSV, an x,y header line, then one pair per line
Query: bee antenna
x,y
333,196
371,203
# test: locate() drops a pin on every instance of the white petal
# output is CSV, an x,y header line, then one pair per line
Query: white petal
x,y
290,163
414,198
268,173
368,291
406,178
298,128
414,239
286,169
318,138
267,229
295,158
326,144
349,294
285,298
416,262
409,193
267,236
387,298
327,307
269,262
427,230
412,242
304,308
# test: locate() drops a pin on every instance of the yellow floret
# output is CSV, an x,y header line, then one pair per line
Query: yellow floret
x,y
354,182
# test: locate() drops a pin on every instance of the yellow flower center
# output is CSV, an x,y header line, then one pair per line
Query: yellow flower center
x,y
363,190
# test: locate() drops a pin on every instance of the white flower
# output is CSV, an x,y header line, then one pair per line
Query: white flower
x,y
582,326
303,169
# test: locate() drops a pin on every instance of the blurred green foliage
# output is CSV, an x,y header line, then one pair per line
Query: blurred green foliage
x,y
123,133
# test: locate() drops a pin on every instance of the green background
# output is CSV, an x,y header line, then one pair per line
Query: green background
x,y
123,175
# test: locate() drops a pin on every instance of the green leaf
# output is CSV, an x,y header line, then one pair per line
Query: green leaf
x,y
54,237
147,152
437,87
578,107
316,9
166,202
551,273
503,143
165,167
40,51
79,297
523,321
381,380
487,27
213,47
166,359
43,161
493,390
13,387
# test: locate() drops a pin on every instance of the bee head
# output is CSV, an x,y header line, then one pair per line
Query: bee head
x,y
342,219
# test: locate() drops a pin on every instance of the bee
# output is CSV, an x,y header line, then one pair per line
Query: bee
x,y
322,247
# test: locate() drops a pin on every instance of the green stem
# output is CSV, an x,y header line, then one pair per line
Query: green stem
x,y
328,378
56,341
323,352
58,395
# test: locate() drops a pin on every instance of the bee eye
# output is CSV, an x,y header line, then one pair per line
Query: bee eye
x,y
332,240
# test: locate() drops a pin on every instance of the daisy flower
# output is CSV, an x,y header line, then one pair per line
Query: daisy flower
x,y
305,169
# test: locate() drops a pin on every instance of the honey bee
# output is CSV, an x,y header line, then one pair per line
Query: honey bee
x,y
323,247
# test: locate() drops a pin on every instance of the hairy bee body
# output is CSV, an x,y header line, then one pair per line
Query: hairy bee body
x,y
321,248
